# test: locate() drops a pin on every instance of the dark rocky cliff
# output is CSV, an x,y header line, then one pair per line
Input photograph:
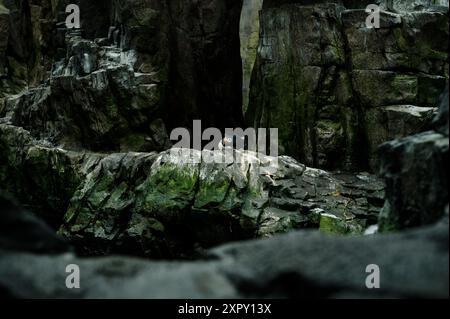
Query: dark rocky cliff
x,y
336,89
85,117
192,50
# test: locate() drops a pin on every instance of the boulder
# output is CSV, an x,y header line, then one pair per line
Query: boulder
x,y
413,264
21,231
94,100
393,122
416,174
162,205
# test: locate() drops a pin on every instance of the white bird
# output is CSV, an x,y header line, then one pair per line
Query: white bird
x,y
225,142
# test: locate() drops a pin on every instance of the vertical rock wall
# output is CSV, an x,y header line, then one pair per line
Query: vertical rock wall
x,y
249,43
191,47
336,89
205,80
416,173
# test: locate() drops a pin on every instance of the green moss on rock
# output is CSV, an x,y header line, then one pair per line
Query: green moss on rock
x,y
169,188
331,224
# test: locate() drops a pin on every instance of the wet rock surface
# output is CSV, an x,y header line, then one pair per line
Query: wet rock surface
x,y
249,33
416,174
154,205
191,48
93,100
333,86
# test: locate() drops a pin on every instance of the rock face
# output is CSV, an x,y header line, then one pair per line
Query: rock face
x,y
191,48
4,34
249,31
413,265
416,174
205,76
93,100
34,40
334,88
77,149
405,5
104,88
159,205
148,203
38,175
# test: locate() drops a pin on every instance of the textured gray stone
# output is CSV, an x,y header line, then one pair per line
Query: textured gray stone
x,y
4,35
301,265
320,72
416,174
161,205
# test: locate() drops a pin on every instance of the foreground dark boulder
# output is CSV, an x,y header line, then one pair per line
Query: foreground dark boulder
x,y
21,231
304,264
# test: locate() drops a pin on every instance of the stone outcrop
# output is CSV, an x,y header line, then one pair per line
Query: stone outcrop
x,y
93,100
192,48
335,88
69,153
85,149
159,205
416,174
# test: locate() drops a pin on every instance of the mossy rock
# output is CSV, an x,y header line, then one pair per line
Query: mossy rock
x,y
170,188
277,221
213,189
331,224
3,10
